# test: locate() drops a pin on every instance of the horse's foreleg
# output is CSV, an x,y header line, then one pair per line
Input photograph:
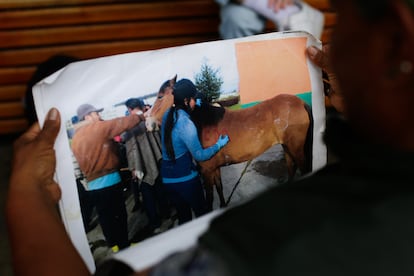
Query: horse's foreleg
x,y
290,162
295,155
219,187
295,140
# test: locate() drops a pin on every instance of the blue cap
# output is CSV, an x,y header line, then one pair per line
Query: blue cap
x,y
134,103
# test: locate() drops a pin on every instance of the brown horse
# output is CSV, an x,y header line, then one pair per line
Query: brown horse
x,y
284,119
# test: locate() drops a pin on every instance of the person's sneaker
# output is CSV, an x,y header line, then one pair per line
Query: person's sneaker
x,y
308,19
115,249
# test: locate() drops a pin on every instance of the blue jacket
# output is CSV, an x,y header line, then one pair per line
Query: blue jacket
x,y
185,139
186,147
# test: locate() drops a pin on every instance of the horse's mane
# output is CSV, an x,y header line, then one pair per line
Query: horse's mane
x,y
207,115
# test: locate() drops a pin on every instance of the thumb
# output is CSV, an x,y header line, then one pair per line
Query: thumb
x,y
51,127
318,57
55,192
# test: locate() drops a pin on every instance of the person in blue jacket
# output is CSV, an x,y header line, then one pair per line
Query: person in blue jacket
x,y
180,147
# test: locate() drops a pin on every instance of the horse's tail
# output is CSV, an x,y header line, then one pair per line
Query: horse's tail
x,y
308,148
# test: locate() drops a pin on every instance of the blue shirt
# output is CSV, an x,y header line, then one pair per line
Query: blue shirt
x,y
104,181
185,139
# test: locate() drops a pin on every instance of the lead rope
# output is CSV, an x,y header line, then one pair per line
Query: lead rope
x,y
238,182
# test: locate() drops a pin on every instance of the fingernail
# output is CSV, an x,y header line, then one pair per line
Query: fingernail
x,y
312,51
53,113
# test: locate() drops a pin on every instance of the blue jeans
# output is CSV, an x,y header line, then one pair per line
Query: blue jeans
x,y
155,202
187,196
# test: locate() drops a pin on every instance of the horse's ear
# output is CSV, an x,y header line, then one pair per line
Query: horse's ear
x,y
173,80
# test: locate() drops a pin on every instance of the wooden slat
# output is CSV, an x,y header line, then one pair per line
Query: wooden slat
x,y
18,4
94,33
12,92
107,13
11,109
34,56
8,126
12,76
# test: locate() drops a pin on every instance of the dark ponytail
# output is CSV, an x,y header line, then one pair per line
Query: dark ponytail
x,y
183,91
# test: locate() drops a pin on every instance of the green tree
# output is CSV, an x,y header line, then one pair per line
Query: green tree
x,y
208,81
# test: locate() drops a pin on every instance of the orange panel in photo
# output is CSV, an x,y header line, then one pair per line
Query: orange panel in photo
x,y
271,67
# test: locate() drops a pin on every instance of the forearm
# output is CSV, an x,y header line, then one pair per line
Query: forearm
x,y
118,125
201,154
197,151
39,242
188,133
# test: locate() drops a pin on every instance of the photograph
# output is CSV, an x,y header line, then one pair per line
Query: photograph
x,y
159,142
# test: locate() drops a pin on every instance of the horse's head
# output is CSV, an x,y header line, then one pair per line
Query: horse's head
x,y
165,99
167,87
205,115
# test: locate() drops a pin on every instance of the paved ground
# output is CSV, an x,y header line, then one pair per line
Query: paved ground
x,y
264,171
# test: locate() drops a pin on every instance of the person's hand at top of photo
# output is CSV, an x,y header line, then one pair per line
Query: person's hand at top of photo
x,y
321,59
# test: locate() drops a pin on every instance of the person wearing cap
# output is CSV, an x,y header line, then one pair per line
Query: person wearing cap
x,y
95,150
133,155
180,145
143,151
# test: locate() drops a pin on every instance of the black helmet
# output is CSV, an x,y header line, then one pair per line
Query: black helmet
x,y
183,89
134,103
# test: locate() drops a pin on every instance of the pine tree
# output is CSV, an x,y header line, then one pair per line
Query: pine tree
x,y
208,81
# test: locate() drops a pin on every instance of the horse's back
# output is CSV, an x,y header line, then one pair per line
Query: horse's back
x,y
255,129
278,112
